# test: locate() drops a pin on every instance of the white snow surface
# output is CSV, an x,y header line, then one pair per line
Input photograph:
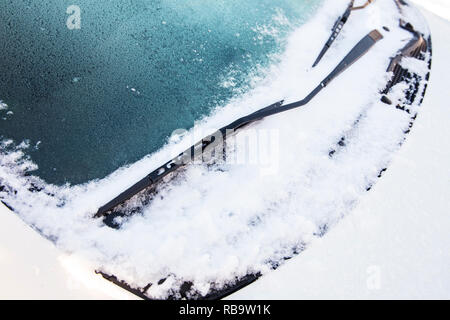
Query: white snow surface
x,y
33,268
395,244
212,226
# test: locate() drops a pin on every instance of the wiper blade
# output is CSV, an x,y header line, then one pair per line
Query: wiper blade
x,y
210,142
337,28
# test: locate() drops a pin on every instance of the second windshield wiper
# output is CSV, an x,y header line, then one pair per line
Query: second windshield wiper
x,y
337,28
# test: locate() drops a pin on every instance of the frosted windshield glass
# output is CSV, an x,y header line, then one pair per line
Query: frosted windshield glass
x,y
94,90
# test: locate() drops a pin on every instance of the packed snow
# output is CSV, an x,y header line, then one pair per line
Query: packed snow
x,y
213,224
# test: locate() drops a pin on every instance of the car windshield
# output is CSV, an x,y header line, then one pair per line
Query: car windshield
x,y
89,88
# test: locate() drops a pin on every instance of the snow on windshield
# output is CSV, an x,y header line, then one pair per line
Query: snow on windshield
x,y
215,224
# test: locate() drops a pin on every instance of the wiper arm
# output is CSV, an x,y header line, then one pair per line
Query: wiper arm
x,y
210,142
363,6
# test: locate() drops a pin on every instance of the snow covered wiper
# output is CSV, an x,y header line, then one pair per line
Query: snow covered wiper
x,y
337,28
414,48
211,142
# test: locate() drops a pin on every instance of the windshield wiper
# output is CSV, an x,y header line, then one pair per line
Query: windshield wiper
x,y
337,28
210,143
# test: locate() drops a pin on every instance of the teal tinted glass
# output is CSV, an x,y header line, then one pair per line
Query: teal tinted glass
x,y
97,90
